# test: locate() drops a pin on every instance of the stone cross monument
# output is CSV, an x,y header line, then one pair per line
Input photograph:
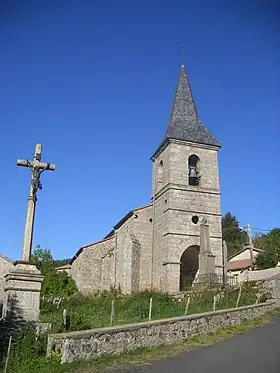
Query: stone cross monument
x,y
36,167
23,282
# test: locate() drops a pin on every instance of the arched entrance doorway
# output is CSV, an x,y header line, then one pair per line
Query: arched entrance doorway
x,y
189,266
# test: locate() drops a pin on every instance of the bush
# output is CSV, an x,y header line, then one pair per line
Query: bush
x,y
27,351
55,284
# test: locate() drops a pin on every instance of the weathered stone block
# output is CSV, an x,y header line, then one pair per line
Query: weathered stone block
x,y
22,293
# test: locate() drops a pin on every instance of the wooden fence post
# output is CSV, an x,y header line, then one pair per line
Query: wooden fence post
x,y
112,317
150,309
8,354
187,305
239,296
64,315
214,303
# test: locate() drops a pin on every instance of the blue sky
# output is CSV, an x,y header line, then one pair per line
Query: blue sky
x,y
93,81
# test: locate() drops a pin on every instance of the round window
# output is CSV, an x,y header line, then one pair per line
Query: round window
x,y
195,219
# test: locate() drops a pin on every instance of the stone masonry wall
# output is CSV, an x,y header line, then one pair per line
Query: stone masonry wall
x,y
142,231
124,256
91,344
87,267
134,241
176,203
5,265
261,275
135,265
108,270
123,260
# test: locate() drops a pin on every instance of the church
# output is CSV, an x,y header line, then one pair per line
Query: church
x,y
158,246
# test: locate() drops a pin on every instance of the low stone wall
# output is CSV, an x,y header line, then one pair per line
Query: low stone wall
x,y
91,344
261,275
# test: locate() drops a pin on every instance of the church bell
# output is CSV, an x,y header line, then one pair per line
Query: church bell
x,y
193,177
193,172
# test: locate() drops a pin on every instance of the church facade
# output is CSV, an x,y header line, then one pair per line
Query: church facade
x,y
158,245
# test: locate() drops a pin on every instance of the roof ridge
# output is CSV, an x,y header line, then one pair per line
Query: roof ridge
x,y
6,258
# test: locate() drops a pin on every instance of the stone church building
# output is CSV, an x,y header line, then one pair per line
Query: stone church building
x,y
158,245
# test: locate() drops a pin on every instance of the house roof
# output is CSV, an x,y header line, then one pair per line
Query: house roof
x,y
239,264
66,266
244,249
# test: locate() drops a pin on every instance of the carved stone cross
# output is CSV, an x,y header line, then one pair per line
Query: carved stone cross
x,y
36,167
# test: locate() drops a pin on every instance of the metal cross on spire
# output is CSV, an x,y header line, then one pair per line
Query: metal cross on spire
x,y
37,168
182,55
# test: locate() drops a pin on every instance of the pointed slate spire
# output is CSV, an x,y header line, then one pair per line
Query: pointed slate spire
x,y
184,123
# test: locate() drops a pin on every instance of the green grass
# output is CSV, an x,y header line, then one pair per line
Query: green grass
x,y
88,312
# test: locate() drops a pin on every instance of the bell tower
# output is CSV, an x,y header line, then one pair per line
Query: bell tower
x,y
186,192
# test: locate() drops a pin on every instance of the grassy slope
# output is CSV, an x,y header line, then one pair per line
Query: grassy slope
x,y
88,312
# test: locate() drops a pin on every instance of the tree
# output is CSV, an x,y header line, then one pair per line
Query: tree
x,y
61,262
270,243
267,259
234,236
264,241
55,284
42,256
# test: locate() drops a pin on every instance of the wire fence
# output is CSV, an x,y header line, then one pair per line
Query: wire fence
x,y
208,281
109,309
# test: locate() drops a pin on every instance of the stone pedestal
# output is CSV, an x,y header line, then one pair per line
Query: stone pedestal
x,y
206,263
206,273
22,292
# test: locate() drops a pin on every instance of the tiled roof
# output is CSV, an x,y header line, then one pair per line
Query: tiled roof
x,y
236,265
244,249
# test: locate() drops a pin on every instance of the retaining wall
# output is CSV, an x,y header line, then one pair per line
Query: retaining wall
x,y
261,275
91,344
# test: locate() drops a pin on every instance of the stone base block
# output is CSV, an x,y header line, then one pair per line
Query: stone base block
x,y
22,293
206,263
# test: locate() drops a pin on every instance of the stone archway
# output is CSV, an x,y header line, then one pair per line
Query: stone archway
x,y
189,266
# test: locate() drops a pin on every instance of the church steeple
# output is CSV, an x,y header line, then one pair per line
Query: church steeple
x,y
184,123
186,189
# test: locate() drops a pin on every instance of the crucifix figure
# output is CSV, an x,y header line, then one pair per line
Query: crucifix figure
x,y
36,167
